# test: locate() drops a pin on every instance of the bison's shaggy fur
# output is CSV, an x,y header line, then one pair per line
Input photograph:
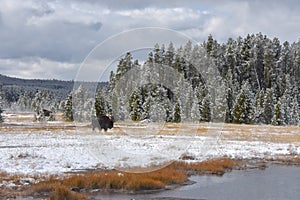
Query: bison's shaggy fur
x,y
103,122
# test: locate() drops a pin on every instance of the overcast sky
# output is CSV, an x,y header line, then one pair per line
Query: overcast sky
x,y
48,39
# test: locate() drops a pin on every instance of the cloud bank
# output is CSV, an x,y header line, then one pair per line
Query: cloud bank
x,y
50,39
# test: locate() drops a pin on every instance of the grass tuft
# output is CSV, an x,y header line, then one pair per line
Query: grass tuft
x,y
214,166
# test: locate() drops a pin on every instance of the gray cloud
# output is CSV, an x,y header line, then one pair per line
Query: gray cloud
x,y
64,32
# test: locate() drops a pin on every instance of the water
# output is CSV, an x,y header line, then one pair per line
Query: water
x,y
274,183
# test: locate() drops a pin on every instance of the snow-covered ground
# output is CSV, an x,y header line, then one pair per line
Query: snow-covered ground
x,y
28,147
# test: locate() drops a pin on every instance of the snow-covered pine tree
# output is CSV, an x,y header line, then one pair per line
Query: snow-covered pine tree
x,y
135,106
36,102
203,104
284,109
146,106
295,119
168,109
124,65
259,107
277,119
177,112
68,111
258,54
100,104
268,64
268,106
242,109
112,81
205,109
78,103
229,95
285,60
209,45
169,55
246,69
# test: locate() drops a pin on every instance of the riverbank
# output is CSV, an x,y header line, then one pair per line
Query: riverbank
x,y
86,185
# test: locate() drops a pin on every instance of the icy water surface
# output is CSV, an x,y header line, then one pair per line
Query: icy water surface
x,y
274,183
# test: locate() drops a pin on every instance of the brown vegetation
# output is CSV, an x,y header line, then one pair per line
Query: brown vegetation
x,y
214,166
108,181
115,181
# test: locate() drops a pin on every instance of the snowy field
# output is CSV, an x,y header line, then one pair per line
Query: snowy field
x,y
33,148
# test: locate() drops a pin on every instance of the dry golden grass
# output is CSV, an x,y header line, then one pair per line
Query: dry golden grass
x,y
109,181
127,181
215,166
121,181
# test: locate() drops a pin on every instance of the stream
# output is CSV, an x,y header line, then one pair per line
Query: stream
x,y
277,182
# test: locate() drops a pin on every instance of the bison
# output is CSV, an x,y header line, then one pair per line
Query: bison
x,y
47,113
103,122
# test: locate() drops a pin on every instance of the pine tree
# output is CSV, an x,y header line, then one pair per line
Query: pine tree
x,y
229,95
158,54
295,113
169,55
268,106
112,81
68,112
100,104
277,118
79,98
52,114
146,107
205,109
242,110
229,55
204,104
246,69
209,45
284,109
177,112
125,64
268,65
259,107
168,109
135,105
258,54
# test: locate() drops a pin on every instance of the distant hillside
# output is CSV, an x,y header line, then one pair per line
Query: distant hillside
x,y
13,88
35,83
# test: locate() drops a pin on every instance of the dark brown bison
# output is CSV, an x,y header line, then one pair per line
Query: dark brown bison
x,y
47,113
103,122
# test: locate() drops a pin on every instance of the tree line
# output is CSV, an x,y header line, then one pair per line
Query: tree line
x,y
250,80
